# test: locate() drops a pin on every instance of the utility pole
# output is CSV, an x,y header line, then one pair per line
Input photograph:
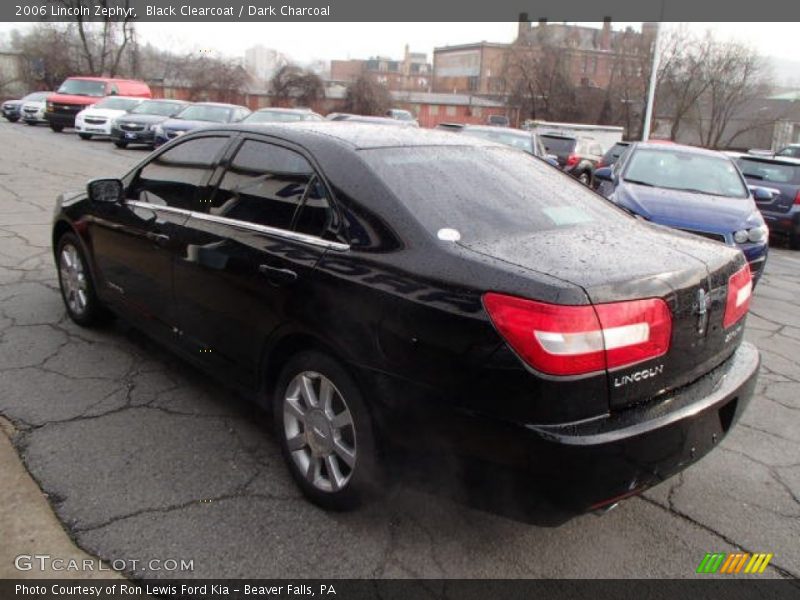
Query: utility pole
x,y
651,91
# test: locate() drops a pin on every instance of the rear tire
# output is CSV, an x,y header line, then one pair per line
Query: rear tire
x,y
585,178
75,282
85,136
325,432
57,128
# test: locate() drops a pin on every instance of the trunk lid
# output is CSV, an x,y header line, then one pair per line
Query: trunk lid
x,y
615,263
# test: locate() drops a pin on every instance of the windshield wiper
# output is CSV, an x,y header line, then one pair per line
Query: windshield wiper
x,y
637,182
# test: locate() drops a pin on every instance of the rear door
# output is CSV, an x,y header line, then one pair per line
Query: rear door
x,y
254,242
781,177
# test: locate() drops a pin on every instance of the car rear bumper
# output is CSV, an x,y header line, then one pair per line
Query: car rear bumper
x,y
591,464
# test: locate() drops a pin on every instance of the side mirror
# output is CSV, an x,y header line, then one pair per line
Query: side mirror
x,y
761,194
105,190
604,174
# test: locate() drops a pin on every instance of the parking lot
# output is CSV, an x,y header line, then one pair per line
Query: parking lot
x,y
144,458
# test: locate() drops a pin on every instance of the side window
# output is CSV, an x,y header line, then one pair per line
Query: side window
x,y
316,214
264,184
172,178
113,90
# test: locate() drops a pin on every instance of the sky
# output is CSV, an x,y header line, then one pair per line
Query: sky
x,y
308,41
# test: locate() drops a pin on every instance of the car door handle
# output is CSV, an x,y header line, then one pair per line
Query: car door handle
x,y
277,275
158,238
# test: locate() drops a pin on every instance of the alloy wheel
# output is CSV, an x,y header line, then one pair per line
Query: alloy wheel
x,y
320,431
73,280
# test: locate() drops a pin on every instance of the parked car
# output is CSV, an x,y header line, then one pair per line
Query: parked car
x,y
696,190
402,115
780,177
78,93
577,156
282,115
99,118
790,151
11,110
371,120
498,121
138,126
586,352
612,155
33,107
201,114
516,138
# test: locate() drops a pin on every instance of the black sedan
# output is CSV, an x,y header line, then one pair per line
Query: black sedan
x,y
391,292
139,125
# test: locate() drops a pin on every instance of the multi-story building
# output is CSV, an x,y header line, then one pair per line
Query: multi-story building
x,y
261,62
591,57
411,73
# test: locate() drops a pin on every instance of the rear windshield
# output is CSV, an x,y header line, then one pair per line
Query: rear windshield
x,y
685,171
769,171
214,114
558,145
485,192
162,109
83,87
791,151
507,138
614,153
117,103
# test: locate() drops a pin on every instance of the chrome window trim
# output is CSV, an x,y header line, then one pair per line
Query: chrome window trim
x,y
282,233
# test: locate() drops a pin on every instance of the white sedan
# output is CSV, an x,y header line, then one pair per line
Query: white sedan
x,y
33,106
97,119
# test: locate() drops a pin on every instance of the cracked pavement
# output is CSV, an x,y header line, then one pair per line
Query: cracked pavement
x,y
143,457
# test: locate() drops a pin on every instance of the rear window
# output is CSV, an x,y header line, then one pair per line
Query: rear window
x,y
559,145
769,171
614,153
485,192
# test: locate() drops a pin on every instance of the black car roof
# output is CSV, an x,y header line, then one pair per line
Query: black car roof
x,y
356,135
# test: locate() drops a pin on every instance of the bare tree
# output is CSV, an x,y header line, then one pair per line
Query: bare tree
x,y
103,43
293,84
537,79
208,77
365,96
48,54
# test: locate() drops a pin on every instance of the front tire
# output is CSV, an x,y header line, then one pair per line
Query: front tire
x,y
30,123
75,282
121,144
57,128
325,432
794,241
85,136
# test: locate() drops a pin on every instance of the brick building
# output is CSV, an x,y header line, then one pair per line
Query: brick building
x,y
411,73
591,56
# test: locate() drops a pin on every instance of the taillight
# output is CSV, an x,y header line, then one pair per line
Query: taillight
x,y
572,160
740,290
797,198
574,340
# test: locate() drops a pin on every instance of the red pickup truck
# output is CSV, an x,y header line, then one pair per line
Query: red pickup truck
x,y
76,93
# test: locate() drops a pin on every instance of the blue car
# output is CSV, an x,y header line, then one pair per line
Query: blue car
x,y
201,114
692,189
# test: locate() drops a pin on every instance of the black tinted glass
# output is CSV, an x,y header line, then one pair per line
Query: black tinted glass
x,y
558,145
486,192
172,178
264,185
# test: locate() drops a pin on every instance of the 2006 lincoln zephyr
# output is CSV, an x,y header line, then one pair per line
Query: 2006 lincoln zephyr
x,y
388,290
